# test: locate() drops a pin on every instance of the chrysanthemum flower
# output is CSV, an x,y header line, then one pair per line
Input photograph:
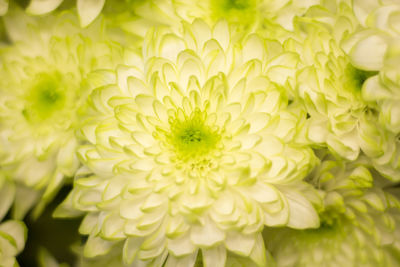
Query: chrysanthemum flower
x,y
12,241
191,148
339,118
381,35
41,91
331,89
359,225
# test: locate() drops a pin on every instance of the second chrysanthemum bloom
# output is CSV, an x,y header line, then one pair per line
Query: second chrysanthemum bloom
x,y
191,147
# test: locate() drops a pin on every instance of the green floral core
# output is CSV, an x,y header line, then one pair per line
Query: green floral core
x,y
236,4
44,98
357,77
238,11
191,136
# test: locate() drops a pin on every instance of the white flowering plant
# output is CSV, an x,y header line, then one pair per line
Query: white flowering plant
x,y
212,133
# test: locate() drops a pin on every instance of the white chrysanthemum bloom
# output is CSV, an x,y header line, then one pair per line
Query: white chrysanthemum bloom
x,y
339,118
41,92
192,148
331,90
359,226
88,10
12,241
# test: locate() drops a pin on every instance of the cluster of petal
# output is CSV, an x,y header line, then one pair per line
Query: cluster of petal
x,y
191,147
331,89
250,14
12,241
379,33
359,224
41,92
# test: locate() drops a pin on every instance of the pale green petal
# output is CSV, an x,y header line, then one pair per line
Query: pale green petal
x,y
369,43
96,246
302,214
7,194
215,256
187,261
13,236
25,199
39,7
88,10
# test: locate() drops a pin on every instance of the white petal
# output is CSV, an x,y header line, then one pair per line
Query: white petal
x,y
96,246
240,243
368,53
206,235
88,10
88,223
253,48
302,214
17,231
171,45
187,261
7,194
181,246
221,34
39,7
258,253
262,193
131,247
214,257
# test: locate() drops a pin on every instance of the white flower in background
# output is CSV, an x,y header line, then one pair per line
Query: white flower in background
x,y
192,148
359,225
41,91
331,89
250,14
12,241
379,38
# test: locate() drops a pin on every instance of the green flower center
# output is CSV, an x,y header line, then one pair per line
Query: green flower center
x,y
356,77
236,4
45,98
192,137
238,11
